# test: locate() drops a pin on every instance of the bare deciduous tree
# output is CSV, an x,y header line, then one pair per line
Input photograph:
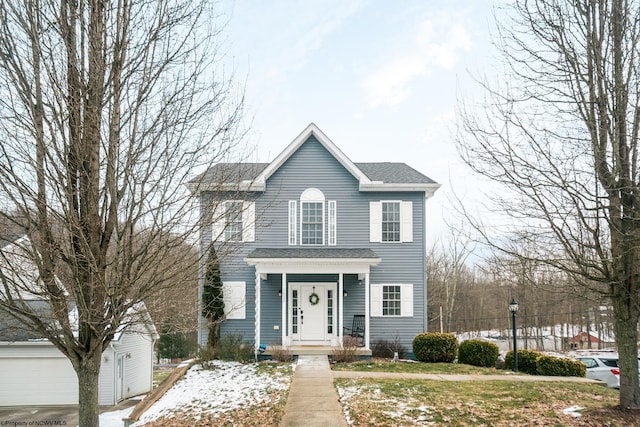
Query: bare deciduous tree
x,y
107,108
562,135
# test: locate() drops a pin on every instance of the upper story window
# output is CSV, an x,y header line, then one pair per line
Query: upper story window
x,y
314,223
391,221
233,221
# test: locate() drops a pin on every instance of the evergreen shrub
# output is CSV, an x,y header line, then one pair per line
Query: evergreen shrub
x,y
435,347
560,367
526,361
478,353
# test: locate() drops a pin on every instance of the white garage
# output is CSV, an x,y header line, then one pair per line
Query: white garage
x,y
35,373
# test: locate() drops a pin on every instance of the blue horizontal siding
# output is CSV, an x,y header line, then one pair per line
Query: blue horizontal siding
x,y
312,166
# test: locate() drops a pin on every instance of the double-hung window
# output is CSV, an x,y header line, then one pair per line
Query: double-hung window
x,y
312,223
391,300
233,221
390,221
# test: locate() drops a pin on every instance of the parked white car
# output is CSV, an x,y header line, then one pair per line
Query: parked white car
x,y
602,368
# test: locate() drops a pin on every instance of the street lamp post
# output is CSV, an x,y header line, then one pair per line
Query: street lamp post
x,y
513,308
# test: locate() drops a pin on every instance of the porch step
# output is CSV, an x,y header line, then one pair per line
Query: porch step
x,y
318,350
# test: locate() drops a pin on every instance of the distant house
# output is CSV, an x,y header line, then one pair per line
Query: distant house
x,y
319,243
35,372
585,340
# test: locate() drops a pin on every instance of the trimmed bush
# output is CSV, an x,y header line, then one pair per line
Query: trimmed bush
x,y
478,353
231,347
560,367
348,352
434,347
384,348
280,353
526,361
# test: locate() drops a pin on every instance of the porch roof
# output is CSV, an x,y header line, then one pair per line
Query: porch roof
x,y
308,260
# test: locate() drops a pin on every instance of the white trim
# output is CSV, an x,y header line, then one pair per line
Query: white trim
x,y
257,314
406,221
429,189
219,222
293,227
312,265
285,323
235,301
375,221
248,221
367,312
340,311
332,225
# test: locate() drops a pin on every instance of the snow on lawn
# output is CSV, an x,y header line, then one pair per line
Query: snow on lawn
x,y
223,387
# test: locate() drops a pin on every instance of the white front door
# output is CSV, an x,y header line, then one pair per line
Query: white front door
x,y
313,312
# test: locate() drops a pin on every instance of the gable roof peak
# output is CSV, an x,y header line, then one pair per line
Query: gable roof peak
x,y
312,130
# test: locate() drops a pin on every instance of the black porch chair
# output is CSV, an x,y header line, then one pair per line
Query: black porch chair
x,y
357,329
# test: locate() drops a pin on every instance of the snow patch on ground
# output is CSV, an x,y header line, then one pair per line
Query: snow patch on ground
x,y
573,411
114,418
224,387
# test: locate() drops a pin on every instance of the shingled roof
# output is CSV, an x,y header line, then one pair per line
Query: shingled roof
x,y
384,176
312,253
386,172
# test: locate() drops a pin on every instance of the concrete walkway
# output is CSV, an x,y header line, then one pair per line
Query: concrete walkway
x,y
313,400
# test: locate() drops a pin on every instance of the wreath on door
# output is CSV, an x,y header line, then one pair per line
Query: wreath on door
x,y
314,299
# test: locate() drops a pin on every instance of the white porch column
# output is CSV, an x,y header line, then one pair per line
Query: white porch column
x,y
341,309
367,311
257,311
285,299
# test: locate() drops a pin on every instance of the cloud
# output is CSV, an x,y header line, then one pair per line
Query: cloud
x,y
433,47
318,25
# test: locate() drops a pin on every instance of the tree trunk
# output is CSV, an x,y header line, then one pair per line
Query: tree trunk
x,y
214,334
88,372
626,328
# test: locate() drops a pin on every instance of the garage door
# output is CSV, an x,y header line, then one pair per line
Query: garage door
x,y
37,381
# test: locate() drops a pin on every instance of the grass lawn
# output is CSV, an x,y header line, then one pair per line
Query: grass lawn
x,y
370,402
417,368
159,375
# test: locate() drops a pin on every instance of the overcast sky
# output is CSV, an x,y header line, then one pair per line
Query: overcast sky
x,y
381,79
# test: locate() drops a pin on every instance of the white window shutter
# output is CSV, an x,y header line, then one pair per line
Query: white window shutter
x,y
219,221
406,221
406,300
293,214
233,295
333,226
375,222
376,300
249,222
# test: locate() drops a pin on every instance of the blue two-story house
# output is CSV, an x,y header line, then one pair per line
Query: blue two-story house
x,y
312,239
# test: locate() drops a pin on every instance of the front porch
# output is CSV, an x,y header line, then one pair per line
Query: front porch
x,y
306,300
